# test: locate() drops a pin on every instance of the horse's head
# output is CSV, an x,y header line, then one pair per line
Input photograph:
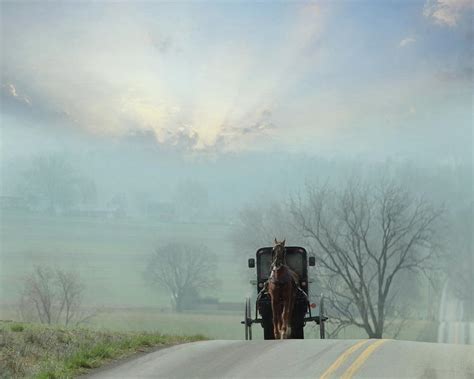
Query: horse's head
x,y
279,253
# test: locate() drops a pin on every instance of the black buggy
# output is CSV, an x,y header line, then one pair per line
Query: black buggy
x,y
297,259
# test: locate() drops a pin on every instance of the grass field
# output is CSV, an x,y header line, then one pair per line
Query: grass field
x,y
216,325
226,325
110,255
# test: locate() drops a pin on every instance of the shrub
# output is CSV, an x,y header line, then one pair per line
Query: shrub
x,y
17,328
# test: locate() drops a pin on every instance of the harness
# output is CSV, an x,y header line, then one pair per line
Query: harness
x,y
264,289
282,281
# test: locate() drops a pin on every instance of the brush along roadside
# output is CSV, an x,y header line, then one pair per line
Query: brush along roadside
x,y
34,350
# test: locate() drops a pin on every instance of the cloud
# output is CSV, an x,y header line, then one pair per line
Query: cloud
x,y
180,83
258,124
407,41
242,131
447,12
10,90
184,137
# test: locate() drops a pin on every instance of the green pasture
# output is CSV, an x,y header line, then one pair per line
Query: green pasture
x,y
226,325
215,325
110,255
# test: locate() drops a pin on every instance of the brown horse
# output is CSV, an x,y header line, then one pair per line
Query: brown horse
x,y
282,290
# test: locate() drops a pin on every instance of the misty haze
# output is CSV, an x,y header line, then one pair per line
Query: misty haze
x,y
148,150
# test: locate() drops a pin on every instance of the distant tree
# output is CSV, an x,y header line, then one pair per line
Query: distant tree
x,y
70,293
39,296
53,183
182,270
53,296
363,237
50,181
258,225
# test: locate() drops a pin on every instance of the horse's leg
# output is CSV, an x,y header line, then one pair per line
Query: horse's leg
x,y
280,318
275,315
285,313
283,323
281,313
291,307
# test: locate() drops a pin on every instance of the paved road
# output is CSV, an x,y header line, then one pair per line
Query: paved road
x,y
301,359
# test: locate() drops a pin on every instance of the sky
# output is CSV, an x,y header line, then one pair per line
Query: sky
x,y
376,78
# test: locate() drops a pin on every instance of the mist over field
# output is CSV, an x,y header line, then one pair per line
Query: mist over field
x,y
137,135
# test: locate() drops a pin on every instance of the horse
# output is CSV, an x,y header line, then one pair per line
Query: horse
x,y
282,290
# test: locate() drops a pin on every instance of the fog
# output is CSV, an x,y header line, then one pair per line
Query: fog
x,y
129,127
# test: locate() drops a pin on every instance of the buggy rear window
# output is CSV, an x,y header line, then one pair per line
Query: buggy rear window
x,y
295,259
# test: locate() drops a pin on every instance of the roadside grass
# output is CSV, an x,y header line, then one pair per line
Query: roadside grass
x,y
39,351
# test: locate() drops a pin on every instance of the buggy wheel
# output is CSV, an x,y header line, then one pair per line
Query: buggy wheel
x,y
248,319
322,326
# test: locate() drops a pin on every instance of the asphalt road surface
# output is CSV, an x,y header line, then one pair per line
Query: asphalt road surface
x,y
300,359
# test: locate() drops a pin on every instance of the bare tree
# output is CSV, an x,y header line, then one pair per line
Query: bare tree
x,y
259,225
50,180
53,296
52,183
363,237
39,293
182,269
70,291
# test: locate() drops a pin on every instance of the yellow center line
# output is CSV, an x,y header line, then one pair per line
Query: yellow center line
x,y
342,358
355,366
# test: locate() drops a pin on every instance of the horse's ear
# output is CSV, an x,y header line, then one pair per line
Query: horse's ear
x,y
276,242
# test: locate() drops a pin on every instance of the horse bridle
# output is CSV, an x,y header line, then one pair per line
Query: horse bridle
x,y
279,257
